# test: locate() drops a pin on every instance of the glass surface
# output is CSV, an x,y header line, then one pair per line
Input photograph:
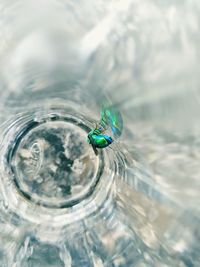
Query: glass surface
x,y
137,202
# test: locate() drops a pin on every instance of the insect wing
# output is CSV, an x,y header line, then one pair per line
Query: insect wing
x,y
111,117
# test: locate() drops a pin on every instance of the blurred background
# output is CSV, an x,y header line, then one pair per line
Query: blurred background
x,y
66,56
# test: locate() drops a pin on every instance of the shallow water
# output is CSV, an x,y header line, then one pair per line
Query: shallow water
x,y
137,202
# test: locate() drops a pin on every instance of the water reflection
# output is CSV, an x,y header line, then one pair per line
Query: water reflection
x,y
144,209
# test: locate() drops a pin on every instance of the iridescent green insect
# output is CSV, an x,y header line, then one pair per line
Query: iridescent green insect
x,y
98,140
110,118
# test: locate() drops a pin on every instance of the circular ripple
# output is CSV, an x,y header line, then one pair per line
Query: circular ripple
x,y
52,163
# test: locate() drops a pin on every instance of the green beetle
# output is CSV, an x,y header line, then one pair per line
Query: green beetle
x,y
98,140
110,118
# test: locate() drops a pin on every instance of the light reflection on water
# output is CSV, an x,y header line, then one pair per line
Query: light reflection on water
x,y
137,203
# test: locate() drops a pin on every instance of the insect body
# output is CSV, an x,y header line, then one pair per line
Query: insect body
x,y
110,118
98,140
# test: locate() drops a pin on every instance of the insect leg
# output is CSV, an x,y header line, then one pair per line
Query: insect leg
x,y
95,150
